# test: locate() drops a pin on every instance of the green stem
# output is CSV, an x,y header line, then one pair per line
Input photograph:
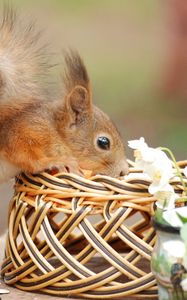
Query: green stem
x,y
179,174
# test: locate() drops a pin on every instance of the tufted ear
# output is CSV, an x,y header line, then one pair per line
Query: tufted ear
x,y
78,100
78,104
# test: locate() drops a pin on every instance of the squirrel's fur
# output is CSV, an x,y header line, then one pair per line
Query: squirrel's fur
x,y
36,134
23,59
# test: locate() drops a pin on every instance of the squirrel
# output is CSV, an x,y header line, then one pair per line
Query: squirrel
x,y
37,133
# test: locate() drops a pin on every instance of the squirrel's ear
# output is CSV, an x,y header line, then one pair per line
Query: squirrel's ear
x,y
77,85
78,104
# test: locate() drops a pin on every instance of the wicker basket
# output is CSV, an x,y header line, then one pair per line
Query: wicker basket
x,y
70,235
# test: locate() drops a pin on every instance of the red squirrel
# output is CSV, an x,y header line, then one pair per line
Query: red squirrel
x,y
37,133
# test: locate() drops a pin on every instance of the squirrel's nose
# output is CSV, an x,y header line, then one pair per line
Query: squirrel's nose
x,y
124,168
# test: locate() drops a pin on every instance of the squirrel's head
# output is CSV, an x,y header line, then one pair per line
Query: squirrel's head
x,y
88,132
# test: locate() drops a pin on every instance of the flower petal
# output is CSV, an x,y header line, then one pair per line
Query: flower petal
x,y
171,217
137,144
165,190
182,211
166,197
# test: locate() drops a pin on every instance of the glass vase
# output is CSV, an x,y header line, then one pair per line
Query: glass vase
x,y
169,261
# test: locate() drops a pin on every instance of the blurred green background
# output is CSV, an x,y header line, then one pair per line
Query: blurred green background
x,y
125,45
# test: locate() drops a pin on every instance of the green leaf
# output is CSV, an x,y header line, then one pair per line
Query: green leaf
x,y
182,218
159,216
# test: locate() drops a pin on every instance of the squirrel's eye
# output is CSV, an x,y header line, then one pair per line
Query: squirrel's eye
x,y
103,142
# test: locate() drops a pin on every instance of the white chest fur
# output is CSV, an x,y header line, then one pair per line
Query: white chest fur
x,y
7,170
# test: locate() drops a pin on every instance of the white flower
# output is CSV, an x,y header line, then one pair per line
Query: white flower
x,y
172,216
174,248
182,211
184,284
166,196
142,152
137,144
160,170
153,162
185,171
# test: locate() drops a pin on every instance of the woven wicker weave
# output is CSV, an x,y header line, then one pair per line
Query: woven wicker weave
x,y
61,226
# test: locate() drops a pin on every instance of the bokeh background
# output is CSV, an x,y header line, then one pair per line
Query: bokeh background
x,y
136,55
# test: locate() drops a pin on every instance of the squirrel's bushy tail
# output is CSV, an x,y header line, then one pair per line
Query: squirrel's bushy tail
x,y
23,59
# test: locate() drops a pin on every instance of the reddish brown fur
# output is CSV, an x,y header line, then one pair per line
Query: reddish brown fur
x,y
29,139
36,134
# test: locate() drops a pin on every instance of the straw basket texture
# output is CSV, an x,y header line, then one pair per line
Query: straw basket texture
x,y
92,238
